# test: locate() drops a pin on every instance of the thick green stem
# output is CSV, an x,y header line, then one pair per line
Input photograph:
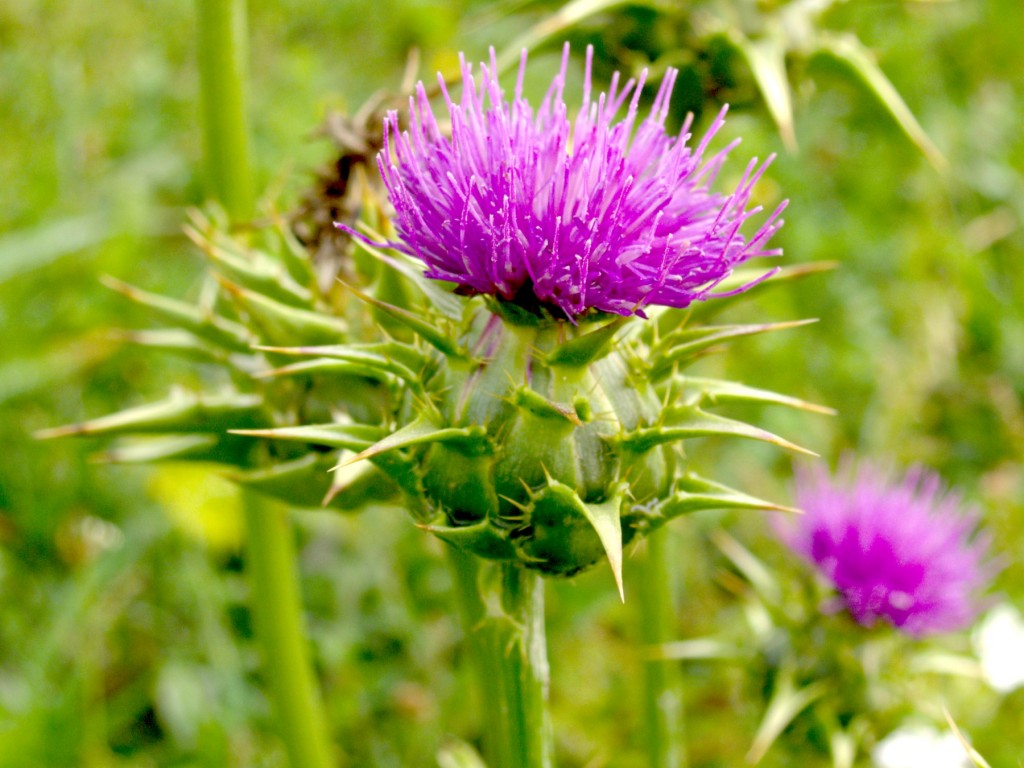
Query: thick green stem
x,y
276,599
223,66
277,605
662,680
502,610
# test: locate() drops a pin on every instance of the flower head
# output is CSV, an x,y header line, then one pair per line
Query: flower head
x,y
900,549
566,215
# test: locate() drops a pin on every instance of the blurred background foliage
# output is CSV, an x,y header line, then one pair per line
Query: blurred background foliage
x,y
124,634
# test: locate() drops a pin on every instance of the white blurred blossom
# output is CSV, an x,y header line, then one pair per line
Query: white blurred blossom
x,y
998,641
920,746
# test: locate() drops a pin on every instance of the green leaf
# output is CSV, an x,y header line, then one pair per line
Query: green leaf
x,y
766,56
182,411
686,422
422,431
753,569
377,360
353,437
848,50
585,349
434,336
683,345
251,268
148,450
278,323
177,341
532,401
482,539
202,322
786,703
693,494
605,519
309,482
436,292
699,392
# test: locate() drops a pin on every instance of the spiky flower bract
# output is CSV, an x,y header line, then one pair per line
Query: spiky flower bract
x,y
564,215
900,549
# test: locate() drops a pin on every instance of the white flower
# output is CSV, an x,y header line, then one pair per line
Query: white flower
x,y
920,746
998,641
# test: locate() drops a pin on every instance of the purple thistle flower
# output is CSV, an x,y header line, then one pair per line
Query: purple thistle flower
x,y
899,549
562,215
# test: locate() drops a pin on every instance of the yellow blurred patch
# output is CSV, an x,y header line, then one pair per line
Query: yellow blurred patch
x,y
200,502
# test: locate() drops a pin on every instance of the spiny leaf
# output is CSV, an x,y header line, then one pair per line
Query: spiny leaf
x,y
683,345
355,486
698,392
585,349
848,50
202,323
554,24
786,703
540,406
252,268
294,256
436,337
605,519
353,437
687,422
181,412
766,57
750,566
279,323
421,431
482,539
308,482
693,493
375,359
177,341
434,291
145,451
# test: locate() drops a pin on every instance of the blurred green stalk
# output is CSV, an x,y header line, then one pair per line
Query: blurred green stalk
x,y
662,679
277,605
223,73
502,611
278,612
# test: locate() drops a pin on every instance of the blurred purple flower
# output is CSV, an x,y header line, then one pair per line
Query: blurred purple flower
x,y
903,549
562,215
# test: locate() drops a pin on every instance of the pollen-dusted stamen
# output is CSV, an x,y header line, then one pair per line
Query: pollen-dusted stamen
x,y
589,214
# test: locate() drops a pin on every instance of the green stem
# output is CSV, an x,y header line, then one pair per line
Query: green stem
x,y
502,611
276,599
223,67
277,605
662,680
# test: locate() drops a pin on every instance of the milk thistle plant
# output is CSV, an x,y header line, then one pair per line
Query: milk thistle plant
x,y
538,401
836,658
506,357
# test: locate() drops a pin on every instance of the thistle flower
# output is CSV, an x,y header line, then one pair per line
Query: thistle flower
x,y
542,426
565,216
899,549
